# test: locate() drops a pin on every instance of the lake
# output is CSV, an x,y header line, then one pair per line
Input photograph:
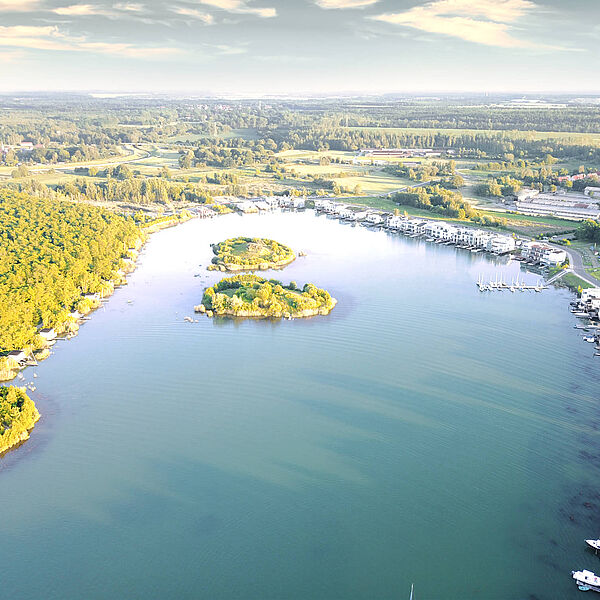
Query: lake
x,y
423,432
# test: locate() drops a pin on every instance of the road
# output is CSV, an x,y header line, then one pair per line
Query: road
x,y
132,157
403,189
576,262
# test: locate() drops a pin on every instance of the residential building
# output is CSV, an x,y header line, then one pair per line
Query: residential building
x,y
544,254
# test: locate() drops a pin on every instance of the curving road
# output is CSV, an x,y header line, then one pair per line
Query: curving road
x,y
576,262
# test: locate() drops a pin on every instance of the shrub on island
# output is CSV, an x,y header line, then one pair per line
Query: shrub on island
x,y
253,296
250,254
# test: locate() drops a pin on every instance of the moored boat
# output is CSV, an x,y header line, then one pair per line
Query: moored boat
x,y
586,580
595,544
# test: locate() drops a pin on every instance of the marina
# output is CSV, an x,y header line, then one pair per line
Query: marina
x,y
499,285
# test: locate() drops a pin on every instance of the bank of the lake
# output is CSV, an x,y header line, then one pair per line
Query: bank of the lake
x,y
312,458
13,363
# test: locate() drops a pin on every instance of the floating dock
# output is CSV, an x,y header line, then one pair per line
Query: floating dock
x,y
499,285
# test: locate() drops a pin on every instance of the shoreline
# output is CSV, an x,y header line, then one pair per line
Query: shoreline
x,y
70,328
247,314
266,266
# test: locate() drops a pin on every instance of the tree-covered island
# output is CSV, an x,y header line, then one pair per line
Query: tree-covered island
x,y
18,415
250,254
253,296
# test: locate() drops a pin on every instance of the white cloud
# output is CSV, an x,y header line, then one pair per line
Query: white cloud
x,y
78,10
345,3
49,37
240,6
455,18
129,7
18,5
194,13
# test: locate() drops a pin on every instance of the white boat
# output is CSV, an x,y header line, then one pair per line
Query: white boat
x,y
586,580
412,591
591,340
595,544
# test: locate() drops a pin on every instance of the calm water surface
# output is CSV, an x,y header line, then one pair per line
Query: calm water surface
x,y
423,432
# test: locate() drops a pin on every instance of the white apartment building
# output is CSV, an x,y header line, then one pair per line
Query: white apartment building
x,y
542,253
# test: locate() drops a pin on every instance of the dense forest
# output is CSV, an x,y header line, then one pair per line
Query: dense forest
x,y
51,253
437,199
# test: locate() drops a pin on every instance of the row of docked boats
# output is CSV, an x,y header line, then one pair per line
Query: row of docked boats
x,y
587,580
588,307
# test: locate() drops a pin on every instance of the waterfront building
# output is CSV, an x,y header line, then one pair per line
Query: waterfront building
x,y
47,333
500,244
17,356
326,206
544,254
374,218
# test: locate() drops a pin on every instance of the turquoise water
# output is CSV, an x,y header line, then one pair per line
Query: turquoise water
x,y
421,433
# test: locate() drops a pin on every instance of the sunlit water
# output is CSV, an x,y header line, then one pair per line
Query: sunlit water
x,y
422,432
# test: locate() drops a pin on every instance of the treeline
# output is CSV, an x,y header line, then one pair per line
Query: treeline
x,y
501,186
445,170
451,114
464,144
228,153
589,231
142,191
51,253
56,155
442,201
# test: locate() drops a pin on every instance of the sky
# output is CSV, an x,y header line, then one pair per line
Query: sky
x,y
293,47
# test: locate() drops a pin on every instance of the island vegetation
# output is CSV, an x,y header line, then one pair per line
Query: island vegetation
x,y
253,296
250,254
18,415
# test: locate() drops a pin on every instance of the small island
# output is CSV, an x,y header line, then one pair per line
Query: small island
x,y
250,254
18,415
253,296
